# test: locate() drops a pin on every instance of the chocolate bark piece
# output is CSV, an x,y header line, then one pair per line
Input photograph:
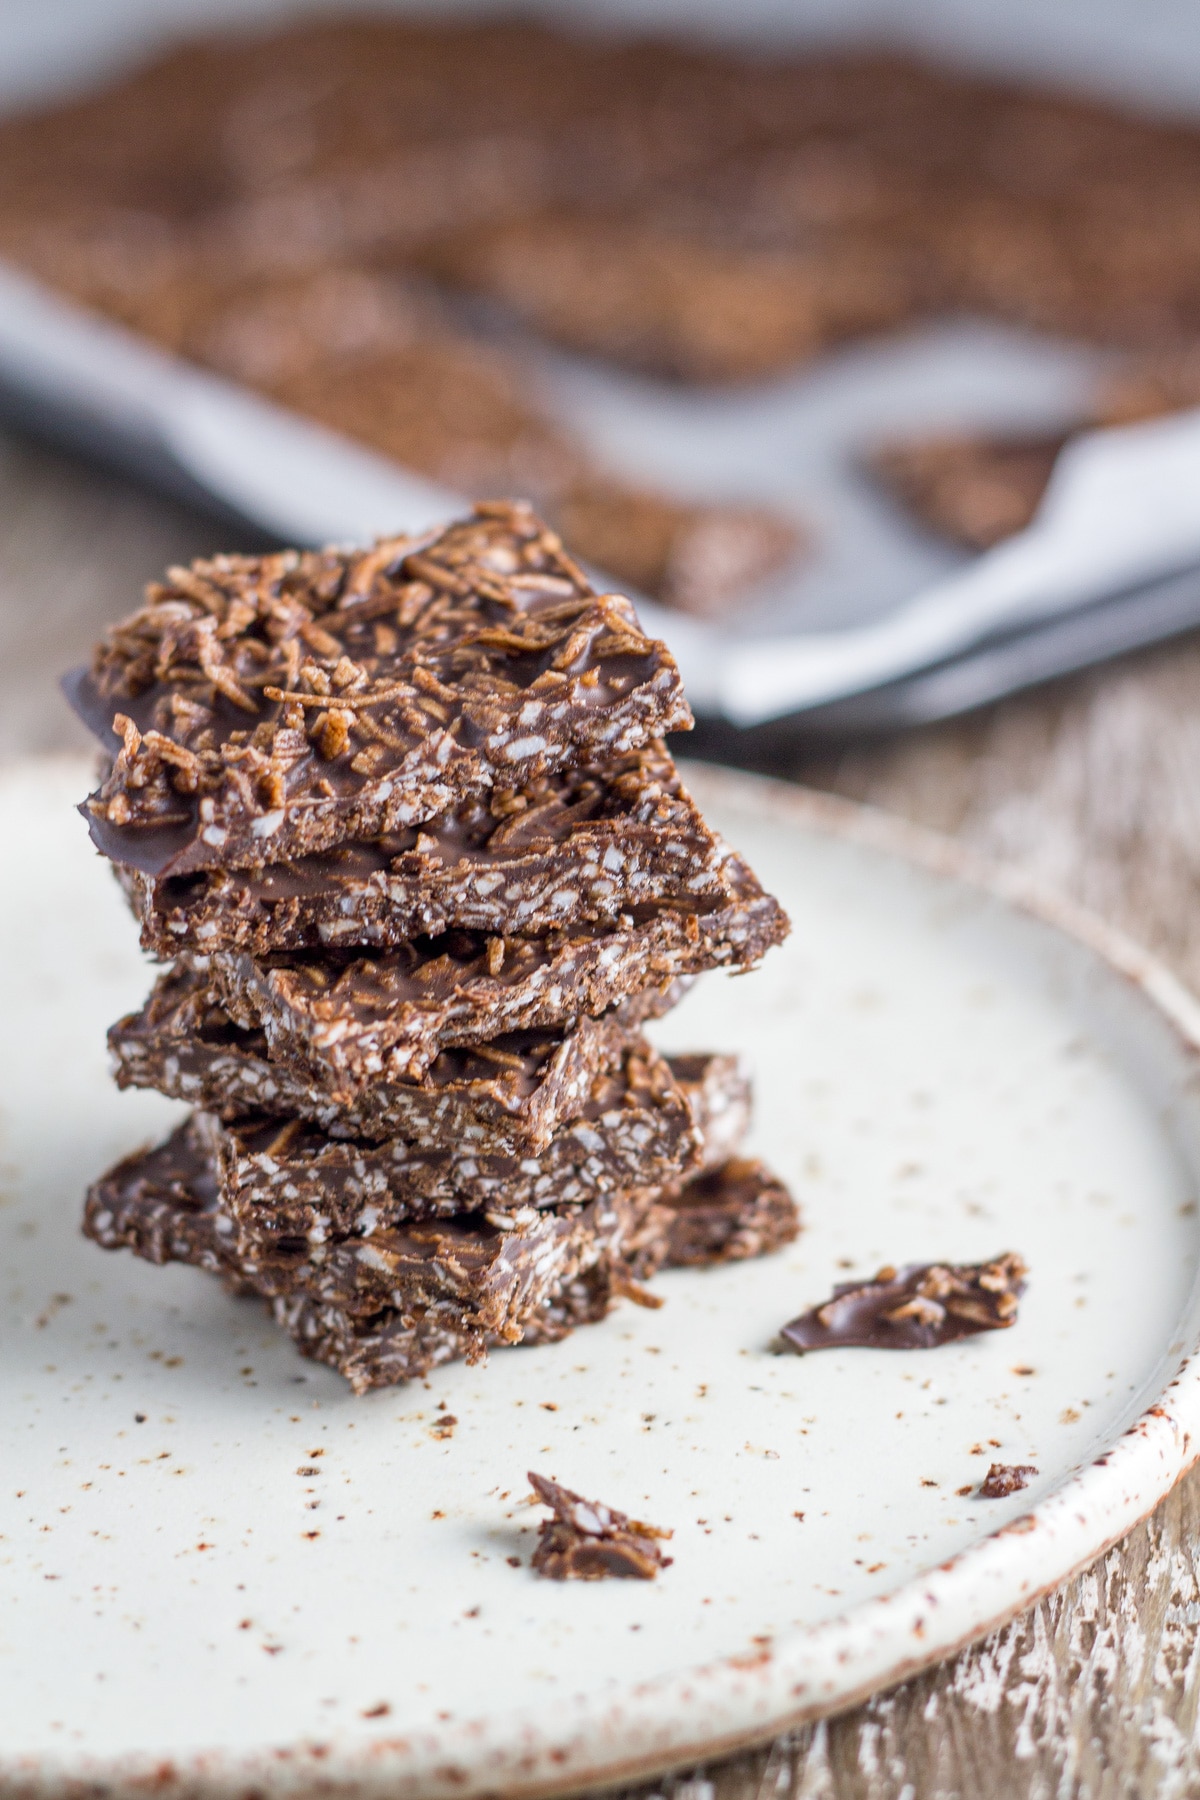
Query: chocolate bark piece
x,y
1003,1479
510,1094
378,1349
351,1019
164,1204
588,1541
483,1275
269,707
547,1262
975,490
288,1185
726,1212
486,1273
393,1345
582,845
916,1307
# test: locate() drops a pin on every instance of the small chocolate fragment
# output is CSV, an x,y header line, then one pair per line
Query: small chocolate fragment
x,y
588,1541
1005,1478
917,1307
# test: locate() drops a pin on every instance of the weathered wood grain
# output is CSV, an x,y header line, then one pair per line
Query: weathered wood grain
x,y
1095,784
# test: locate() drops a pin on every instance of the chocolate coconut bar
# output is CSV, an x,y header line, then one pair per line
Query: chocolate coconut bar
x,y
352,1019
164,1205
400,1344
581,846
510,1094
487,1273
483,1276
167,1202
270,707
377,1349
285,1183
373,1350
636,1127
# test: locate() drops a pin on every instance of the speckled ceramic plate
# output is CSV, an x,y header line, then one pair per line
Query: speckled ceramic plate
x,y
220,1573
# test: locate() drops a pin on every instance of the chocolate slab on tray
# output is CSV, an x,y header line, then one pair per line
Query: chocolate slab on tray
x,y
405,822
403,287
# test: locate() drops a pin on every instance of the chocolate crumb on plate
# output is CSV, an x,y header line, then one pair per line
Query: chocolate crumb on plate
x,y
1003,1479
588,1541
916,1307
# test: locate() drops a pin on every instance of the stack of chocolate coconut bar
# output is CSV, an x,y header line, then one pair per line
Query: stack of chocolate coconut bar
x,y
402,824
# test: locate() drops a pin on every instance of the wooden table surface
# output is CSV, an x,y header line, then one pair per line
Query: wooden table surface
x,y
1095,784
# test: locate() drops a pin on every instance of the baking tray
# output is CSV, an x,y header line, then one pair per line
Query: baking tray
x,y
794,443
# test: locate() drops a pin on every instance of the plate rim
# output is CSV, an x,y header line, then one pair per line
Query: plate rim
x,y
747,1699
